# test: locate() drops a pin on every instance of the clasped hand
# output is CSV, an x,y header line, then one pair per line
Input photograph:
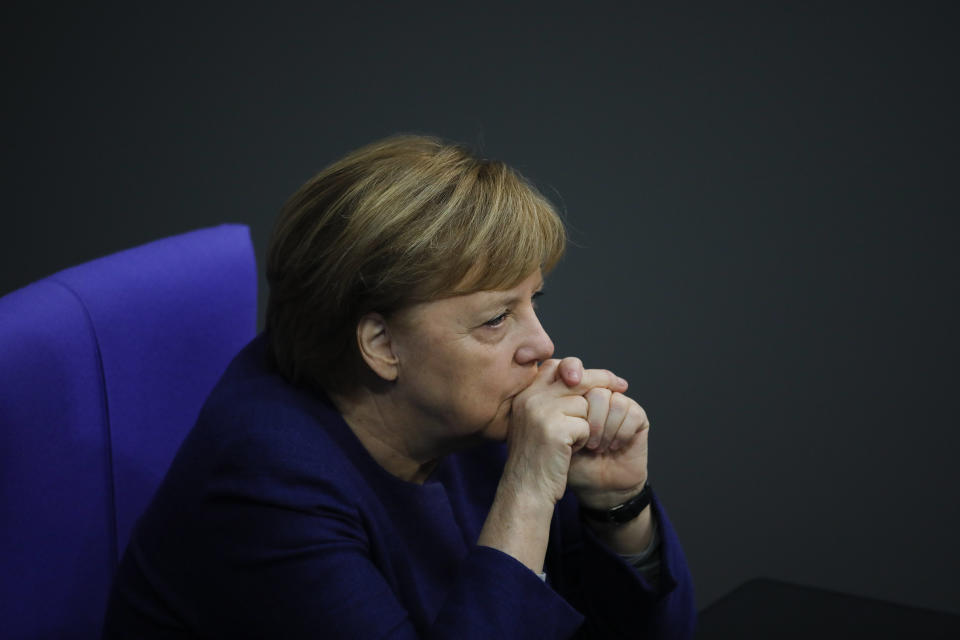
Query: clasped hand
x,y
575,427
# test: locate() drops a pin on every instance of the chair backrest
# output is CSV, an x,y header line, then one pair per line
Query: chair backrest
x,y
103,370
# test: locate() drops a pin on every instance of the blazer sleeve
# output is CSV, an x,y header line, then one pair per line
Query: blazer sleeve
x,y
614,598
291,566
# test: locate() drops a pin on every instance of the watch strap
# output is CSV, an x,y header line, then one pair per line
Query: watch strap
x,y
622,512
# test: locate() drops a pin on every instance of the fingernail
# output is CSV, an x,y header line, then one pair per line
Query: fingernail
x,y
592,444
622,381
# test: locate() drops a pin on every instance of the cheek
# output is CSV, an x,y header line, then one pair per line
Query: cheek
x,y
479,392
474,383
453,380
498,383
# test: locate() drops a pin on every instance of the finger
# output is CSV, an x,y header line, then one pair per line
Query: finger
x,y
570,371
635,422
578,432
619,407
598,401
593,378
546,372
573,406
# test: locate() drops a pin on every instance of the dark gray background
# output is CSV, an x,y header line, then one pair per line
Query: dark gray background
x,y
763,201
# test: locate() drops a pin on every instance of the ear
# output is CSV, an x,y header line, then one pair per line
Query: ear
x,y
376,347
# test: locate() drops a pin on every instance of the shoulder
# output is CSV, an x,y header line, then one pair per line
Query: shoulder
x,y
257,427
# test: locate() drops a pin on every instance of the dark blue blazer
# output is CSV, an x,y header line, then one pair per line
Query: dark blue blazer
x,y
274,522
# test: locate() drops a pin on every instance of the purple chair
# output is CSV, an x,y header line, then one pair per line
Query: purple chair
x,y
103,370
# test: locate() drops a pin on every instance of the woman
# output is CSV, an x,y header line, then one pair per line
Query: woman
x,y
348,478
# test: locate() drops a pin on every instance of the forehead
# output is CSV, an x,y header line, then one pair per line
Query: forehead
x,y
520,291
464,307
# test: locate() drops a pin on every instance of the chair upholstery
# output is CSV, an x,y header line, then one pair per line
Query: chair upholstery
x,y
103,369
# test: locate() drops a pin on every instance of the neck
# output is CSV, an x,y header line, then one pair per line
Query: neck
x,y
391,443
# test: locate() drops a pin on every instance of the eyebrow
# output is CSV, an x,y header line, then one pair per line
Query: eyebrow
x,y
512,300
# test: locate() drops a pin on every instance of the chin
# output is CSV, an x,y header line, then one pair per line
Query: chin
x,y
495,437
497,430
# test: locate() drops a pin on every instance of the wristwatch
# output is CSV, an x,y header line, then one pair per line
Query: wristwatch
x,y
622,512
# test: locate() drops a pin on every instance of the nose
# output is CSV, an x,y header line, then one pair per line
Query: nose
x,y
536,345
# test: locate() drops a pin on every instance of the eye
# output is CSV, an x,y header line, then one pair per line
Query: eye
x,y
496,322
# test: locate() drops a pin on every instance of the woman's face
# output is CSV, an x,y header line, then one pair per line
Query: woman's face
x,y
463,359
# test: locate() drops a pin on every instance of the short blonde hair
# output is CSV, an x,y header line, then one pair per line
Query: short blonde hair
x,y
403,220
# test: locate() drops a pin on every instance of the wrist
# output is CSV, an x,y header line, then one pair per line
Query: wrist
x,y
607,499
518,524
622,513
531,505
627,527
629,538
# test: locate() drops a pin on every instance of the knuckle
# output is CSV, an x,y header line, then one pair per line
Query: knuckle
x,y
620,401
582,404
538,416
597,394
583,430
532,404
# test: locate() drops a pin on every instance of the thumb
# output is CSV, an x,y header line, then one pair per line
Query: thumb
x,y
570,371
